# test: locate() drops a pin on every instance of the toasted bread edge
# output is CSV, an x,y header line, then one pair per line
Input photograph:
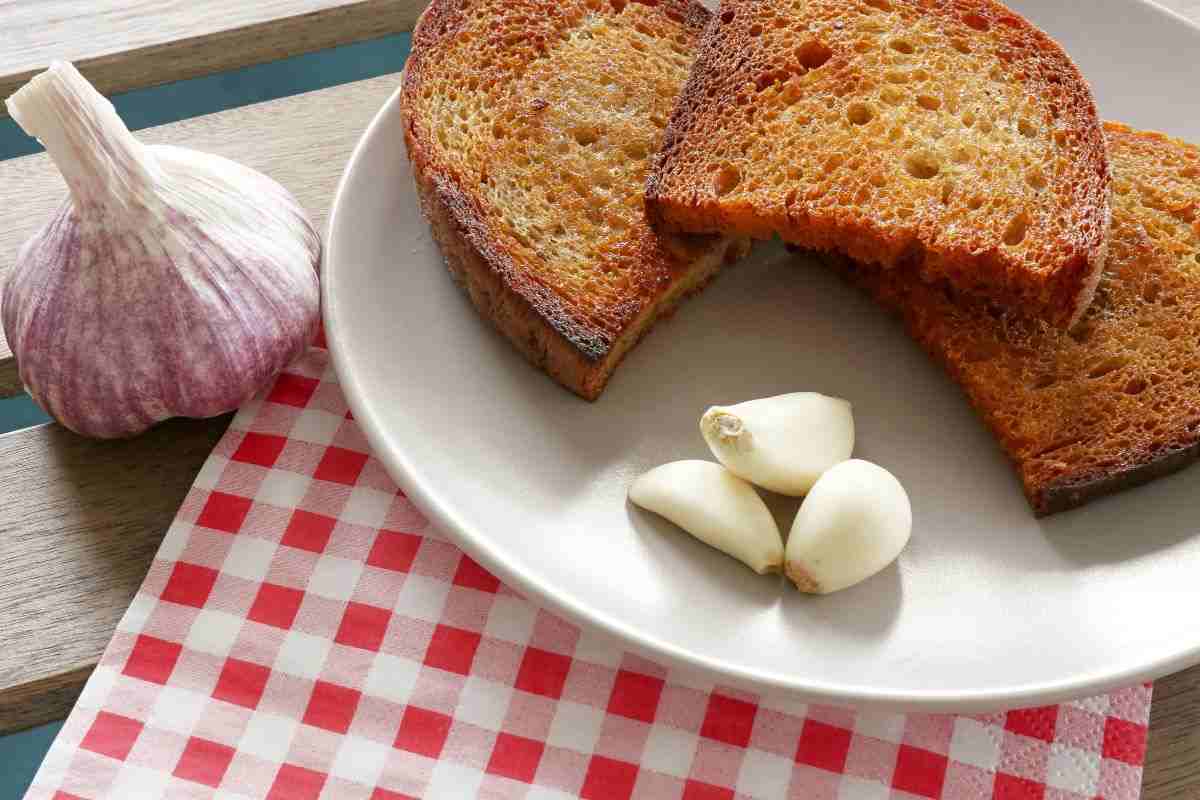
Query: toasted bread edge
x,y
1075,489
1068,491
477,270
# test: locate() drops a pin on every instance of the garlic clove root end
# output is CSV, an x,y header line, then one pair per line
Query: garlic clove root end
x,y
782,443
853,523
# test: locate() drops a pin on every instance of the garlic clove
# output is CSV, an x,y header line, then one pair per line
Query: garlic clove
x,y
717,507
781,443
853,523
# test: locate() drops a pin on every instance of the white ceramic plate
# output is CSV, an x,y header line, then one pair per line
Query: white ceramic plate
x,y
987,608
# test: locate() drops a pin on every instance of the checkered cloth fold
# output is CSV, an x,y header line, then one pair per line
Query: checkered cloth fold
x,y
303,633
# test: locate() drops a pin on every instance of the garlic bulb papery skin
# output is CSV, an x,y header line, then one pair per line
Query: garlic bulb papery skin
x,y
169,283
717,507
853,523
781,443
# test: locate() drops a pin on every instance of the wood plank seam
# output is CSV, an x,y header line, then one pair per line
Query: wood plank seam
x,y
115,67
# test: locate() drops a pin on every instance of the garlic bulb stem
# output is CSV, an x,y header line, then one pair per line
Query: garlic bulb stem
x,y
98,157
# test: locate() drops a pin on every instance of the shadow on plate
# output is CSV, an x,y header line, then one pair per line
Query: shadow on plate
x,y
865,611
1133,524
909,416
673,549
764,323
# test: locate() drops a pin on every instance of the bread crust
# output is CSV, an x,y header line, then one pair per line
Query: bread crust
x,y
479,268
1072,492
1055,282
575,338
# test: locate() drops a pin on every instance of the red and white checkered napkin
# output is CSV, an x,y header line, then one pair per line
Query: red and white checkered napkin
x,y
304,634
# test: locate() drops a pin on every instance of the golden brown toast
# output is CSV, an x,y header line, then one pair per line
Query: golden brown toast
x,y
950,135
1116,402
530,125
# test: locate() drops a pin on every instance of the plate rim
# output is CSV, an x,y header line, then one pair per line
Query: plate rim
x,y
445,519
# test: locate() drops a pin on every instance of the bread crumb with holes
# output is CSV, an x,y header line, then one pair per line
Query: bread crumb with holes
x,y
954,137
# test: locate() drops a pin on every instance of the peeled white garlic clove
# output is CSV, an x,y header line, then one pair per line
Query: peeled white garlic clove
x,y
853,523
169,283
781,443
715,506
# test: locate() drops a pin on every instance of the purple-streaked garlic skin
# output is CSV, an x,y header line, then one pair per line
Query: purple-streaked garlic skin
x,y
116,328
184,296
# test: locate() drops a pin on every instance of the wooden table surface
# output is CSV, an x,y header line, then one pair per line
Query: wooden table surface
x,y
100,507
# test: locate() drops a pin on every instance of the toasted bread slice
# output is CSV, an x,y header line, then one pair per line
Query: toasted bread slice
x,y
1116,402
530,125
952,135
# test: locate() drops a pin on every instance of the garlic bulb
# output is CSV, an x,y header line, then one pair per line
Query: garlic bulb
x,y
169,283
781,443
717,507
853,523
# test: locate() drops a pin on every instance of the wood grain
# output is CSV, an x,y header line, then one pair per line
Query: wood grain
x,y
48,699
127,44
302,141
80,521
1172,770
